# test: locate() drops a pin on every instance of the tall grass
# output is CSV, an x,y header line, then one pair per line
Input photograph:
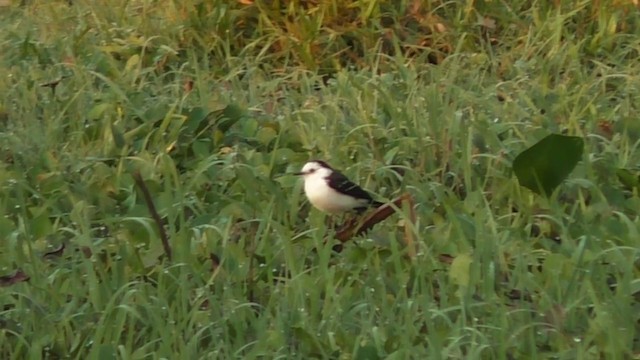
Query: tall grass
x,y
216,103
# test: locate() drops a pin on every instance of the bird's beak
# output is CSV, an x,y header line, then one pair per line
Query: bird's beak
x,y
299,173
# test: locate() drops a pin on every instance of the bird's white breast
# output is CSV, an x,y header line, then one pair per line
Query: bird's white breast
x,y
326,199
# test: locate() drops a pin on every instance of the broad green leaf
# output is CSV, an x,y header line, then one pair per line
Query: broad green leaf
x,y
98,110
265,135
41,226
634,287
107,352
152,256
272,124
201,148
195,118
230,115
283,156
459,271
118,137
51,182
543,166
366,352
249,127
132,62
390,155
6,227
630,179
218,136
204,219
156,112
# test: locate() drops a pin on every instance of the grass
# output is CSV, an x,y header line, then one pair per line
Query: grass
x,y
214,103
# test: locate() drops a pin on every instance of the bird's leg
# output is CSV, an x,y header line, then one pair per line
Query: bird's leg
x,y
329,222
336,223
343,222
350,220
332,223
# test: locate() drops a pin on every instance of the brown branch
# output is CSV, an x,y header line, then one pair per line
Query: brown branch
x,y
353,229
154,213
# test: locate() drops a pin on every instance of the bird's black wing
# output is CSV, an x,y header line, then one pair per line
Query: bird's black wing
x,y
342,184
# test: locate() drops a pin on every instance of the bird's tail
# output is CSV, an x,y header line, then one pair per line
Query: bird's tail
x,y
372,204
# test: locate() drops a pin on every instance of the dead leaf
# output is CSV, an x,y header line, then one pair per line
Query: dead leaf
x,y
17,277
605,127
69,60
515,294
86,251
215,261
556,316
446,258
488,22
188,85
440,27
55,253
414,10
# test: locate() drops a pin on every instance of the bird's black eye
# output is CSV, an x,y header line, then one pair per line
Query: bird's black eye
x,y
311,171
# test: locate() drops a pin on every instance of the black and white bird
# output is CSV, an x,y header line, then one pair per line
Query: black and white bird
x,y
330,191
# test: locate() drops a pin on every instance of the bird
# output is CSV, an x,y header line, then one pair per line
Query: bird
x,y
329,191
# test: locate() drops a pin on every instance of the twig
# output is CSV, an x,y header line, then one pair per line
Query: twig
x,y
154,213
54,84
353,229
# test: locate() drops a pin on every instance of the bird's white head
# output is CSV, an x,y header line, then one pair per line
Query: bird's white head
x,y
315,169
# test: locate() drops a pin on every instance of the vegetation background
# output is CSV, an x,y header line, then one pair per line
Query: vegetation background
x,y
214,102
